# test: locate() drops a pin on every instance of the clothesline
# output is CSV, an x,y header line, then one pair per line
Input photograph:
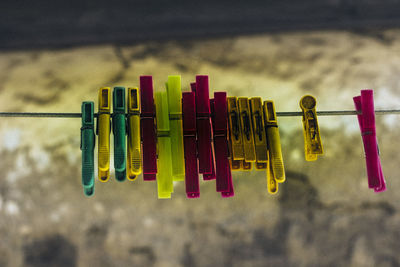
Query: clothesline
x,y
279,114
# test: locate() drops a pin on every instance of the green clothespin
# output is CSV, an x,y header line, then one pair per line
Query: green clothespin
x,y
174,93
88,139
164,176
119,131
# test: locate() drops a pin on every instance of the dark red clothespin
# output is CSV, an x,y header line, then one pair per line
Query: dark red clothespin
x,y
220,137
203,125
190,147
147,126
366,121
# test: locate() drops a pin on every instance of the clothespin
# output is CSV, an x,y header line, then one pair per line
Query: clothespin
x,y
203,123
235,135
312,137
119,131
190,146
220,137
88,140
247,130
174,93
274,141
103,131
260,137
134,165
164,176
147,126
366,120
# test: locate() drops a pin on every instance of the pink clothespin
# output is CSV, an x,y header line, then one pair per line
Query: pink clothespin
x,y
366,121
190,147
220,131
203,126
148,133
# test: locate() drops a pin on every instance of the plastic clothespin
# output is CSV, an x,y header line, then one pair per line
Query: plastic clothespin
x,y
312,137
366,120
164,176
103,131
203,123
148,131
174,93
235,135
190,146
274,141
260,137
119,131
88,140
134,154
224,182
247,133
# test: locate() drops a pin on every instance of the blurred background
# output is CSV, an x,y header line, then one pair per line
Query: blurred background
x,y
55,55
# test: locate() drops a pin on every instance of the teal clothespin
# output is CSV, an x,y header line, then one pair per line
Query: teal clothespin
x,y
119,131
88,139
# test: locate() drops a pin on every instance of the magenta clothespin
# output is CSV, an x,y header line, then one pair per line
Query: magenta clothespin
x,y
366,121
220,131
201,88
148,133
190,146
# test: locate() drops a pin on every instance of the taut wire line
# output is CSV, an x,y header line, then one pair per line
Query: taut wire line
x,y
279,114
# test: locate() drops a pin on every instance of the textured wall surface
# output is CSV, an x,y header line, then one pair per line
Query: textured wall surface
x,y
26,24
324,215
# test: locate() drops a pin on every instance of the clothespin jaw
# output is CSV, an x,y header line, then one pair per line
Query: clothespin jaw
x,y
274,141
164,176
247,132
220,136
103,131
272,184
260,137
312,137
134,160
174,93
119,131
88,140
235,135
190,148
148,130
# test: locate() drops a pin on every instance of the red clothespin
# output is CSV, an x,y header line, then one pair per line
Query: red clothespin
x,y
148,133
366,121
190,147
203,125
220,137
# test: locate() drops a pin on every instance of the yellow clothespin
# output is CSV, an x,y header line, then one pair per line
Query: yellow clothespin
x,y
174,93
134,154
235,134
164,161
312,137
103,131
247,133
260,137
274,141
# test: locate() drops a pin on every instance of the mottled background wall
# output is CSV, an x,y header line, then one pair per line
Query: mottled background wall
x,y
324,215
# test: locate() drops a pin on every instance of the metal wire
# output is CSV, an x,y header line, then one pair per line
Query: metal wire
x,y
279,114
